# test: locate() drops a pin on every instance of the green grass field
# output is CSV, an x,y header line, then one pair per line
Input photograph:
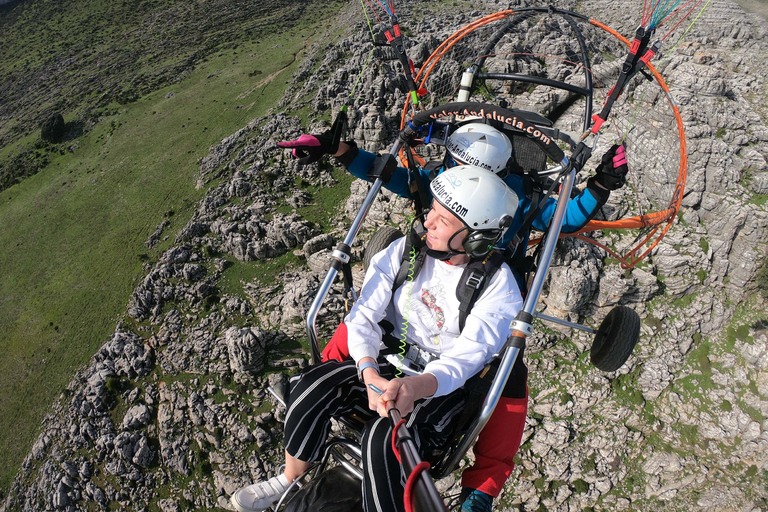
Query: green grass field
x,y
73,235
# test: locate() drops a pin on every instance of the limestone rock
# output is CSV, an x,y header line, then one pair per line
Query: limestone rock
x,y
246,348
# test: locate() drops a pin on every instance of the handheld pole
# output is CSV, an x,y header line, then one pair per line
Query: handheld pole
x,y
426,498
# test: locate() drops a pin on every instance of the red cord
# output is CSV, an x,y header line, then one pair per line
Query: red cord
x,y
394,436
373,10
417,471
681,19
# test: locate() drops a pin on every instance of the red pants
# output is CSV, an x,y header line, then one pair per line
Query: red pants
x,y
497,443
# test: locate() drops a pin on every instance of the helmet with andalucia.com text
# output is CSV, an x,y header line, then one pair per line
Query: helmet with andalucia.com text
x,y
481,200
478,144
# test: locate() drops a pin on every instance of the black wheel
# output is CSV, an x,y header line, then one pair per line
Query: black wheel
x,y
380,241
615,339
336,490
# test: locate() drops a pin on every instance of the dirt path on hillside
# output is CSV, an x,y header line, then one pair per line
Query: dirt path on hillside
x,y
268,79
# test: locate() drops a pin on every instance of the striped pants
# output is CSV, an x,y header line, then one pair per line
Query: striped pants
x,y
332,389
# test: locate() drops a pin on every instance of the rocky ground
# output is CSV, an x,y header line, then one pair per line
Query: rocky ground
x,y
173,413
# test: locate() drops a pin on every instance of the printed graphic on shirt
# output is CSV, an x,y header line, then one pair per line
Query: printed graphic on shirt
x,y
429,300
429,304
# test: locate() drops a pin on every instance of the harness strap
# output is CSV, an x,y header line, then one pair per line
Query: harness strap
x,y
413,240
475,279
416,185
477,274
433,167
533,189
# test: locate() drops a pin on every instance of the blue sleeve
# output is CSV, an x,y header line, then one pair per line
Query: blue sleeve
x,y
580,209
397,184
578,213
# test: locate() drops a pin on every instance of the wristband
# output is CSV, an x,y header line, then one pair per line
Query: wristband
x,y
347,158
364,366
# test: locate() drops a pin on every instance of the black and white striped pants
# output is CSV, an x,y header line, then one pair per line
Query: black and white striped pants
x,y
332,389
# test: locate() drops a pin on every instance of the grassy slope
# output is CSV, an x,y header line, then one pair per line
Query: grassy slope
x,y
76,55
73,235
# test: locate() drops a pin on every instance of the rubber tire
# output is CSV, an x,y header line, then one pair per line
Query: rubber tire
x,y
380,240
333,491
615,339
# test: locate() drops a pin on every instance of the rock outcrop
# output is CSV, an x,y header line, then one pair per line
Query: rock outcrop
x,y
173,411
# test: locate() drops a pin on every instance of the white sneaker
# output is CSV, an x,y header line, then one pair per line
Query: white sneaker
x,y
260,495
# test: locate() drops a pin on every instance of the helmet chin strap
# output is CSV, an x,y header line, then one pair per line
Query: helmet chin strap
x,y
443,255
438,255
450,253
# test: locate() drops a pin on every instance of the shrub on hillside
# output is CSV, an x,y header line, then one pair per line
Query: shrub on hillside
x,y
53,129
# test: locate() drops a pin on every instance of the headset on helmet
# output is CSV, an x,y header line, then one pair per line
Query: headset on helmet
x,y
481,200
481,145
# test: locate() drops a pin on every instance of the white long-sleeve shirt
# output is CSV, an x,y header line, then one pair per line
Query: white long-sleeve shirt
x,y
432,313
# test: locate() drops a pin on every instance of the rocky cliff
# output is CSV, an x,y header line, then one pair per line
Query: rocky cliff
x,y
173,413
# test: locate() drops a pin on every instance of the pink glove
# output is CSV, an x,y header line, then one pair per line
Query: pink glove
x,y
311,148
613,168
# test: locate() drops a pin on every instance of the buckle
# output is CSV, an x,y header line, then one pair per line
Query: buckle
x,y
416,367
475,279
417,359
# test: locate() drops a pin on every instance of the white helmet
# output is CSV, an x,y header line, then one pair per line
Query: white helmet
x,y
481,145
481,200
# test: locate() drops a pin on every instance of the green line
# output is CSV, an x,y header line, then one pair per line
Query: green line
x,y
365,66
689,26
370,26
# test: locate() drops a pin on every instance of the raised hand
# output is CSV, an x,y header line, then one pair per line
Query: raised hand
x,y
311,148
613,168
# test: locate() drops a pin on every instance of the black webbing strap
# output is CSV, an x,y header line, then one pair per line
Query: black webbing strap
x,y
341,264
412,241
533,190
477,274
415,184
639,53
338,128
346,273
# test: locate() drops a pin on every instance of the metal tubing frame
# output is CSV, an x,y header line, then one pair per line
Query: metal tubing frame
x,y
277,396
566,323
333,449
583,91
510,355
319,467
322,292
